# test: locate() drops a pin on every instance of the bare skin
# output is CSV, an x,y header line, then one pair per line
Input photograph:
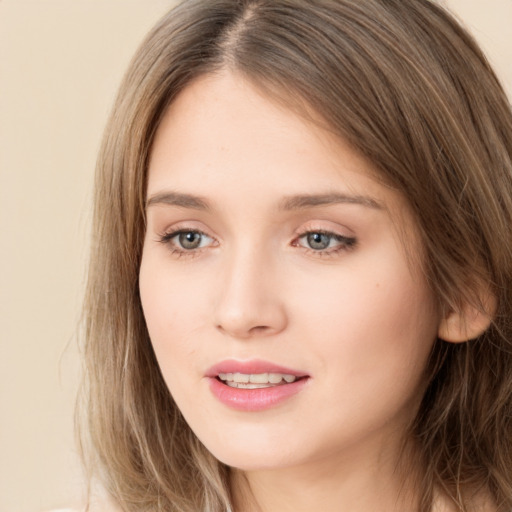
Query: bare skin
x,y
269,239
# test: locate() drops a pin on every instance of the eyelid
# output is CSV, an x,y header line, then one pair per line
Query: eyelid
x,y
346,242
341,238
325,227
184,226
170,234
167,236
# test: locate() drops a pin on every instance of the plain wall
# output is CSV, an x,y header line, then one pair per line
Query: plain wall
x,y
60,64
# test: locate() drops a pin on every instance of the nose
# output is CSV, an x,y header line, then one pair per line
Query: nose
x,y
250,301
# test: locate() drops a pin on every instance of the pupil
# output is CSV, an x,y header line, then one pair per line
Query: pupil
x,y
190,240
318,240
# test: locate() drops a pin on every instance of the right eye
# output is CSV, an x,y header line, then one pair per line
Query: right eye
x,y
190,240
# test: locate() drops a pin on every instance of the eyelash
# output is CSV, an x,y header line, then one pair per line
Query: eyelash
x,y
345,243
167,239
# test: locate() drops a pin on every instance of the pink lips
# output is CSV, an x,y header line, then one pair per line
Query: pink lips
x,y
251,400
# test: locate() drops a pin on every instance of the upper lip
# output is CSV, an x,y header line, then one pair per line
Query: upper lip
x,y
251,367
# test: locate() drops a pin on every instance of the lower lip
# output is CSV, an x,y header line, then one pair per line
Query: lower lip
x,y
252,400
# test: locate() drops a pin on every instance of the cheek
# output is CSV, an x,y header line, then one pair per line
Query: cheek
x,y
374,324
369,347
174,312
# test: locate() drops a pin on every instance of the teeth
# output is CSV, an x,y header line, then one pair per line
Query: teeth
x,y
243,385
255,380
241,377
260,378
275,378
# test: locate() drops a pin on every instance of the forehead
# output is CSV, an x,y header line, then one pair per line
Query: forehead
x,y
222,124
222,135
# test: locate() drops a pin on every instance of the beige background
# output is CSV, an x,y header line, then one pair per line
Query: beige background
x,y
60,64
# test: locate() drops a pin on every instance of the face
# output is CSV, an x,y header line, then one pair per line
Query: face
x,y
284,313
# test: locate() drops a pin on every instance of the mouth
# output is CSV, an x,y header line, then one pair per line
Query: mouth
x,y
256,380
254,385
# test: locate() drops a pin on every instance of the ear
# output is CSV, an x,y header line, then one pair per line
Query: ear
x,y
469,322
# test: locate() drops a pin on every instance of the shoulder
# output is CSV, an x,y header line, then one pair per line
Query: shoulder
x,y
480,502
70,510
96,508
65,510
104,507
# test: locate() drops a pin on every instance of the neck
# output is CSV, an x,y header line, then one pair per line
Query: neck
x,y
349,481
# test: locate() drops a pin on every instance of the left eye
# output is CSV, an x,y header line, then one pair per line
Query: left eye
x,y
189,240
320,241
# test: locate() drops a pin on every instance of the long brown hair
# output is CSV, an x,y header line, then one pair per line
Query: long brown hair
x,y
405,85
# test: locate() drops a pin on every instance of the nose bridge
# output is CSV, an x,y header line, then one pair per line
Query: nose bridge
x,y
249,301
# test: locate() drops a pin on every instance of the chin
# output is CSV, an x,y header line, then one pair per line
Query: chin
x,y
248,453
251,462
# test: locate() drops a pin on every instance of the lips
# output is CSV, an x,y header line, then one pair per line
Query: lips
x,y
256,380
254,385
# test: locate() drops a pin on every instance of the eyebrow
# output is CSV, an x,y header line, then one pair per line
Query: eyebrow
x,y
299,202
178,199
296,202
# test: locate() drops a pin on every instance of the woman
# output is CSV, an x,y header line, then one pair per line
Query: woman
x,y
300,287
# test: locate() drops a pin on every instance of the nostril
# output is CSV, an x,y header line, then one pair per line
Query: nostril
x,y
259,329
249,317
